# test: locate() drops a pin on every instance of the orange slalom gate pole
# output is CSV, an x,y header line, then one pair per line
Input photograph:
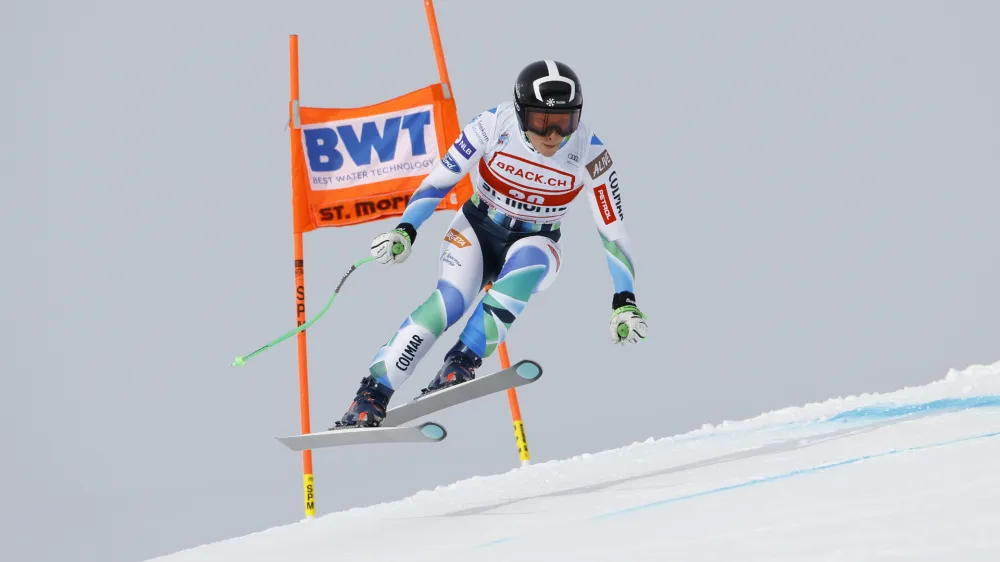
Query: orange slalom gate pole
x,y
515,412
438,49
300,295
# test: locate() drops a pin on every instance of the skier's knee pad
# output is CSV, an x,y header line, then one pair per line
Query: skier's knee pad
x,y
536,258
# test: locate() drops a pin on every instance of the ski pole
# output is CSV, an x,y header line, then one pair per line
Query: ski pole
x,y
242,359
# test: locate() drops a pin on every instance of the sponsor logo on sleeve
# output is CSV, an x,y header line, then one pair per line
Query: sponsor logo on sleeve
x,y
450,163
616,194
604,204
599,165
481,131
464,146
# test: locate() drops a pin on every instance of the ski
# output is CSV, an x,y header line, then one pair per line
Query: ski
x,y
521,373
427,432
391,429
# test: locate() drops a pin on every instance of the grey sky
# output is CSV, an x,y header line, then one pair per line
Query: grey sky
x,y
811,188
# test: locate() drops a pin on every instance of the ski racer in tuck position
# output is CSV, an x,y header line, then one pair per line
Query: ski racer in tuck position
x,y
534,156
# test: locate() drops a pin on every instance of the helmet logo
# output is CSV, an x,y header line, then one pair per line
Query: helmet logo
x,y
553,77
550,102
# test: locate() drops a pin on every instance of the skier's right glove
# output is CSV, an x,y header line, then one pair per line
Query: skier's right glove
x,y
628,324
394,246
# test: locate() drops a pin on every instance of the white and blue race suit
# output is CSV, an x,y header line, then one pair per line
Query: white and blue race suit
x,y
506,234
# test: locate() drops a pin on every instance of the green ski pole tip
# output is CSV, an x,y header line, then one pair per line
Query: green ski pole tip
x,y
397,248
623,330
239,361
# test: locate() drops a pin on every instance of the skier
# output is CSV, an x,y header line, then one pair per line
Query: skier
x,y
534,156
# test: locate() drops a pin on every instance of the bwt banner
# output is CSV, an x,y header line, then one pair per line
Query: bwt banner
x,y
366,150
362,164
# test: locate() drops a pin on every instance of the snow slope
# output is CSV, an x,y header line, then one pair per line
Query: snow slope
x,y
912,475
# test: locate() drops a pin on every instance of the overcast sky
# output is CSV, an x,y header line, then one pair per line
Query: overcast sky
x,y
811,189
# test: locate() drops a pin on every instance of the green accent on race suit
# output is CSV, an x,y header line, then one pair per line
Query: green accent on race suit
x,y
378,370
515,286
432,314
518,284
613,249
492,333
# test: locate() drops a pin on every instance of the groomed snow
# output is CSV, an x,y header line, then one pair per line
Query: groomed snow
x,y
910,475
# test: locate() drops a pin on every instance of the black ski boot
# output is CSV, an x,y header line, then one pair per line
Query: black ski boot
x,y
460,364
368,407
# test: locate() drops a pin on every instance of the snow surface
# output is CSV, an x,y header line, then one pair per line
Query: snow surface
x,y
911,475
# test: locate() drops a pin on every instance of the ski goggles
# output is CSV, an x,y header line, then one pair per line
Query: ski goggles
x,y
541,121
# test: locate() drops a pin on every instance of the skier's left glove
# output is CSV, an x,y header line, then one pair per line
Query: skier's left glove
x,y
628,323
